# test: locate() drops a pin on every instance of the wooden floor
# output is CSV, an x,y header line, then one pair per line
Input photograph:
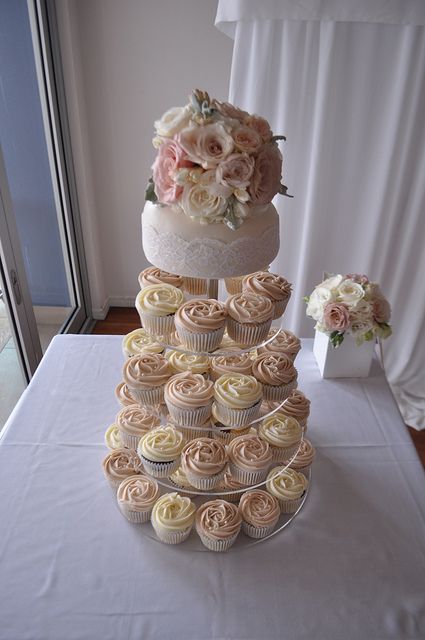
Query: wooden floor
x,y
122,320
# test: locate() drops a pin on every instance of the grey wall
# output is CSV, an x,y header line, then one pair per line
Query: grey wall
x,y
25,153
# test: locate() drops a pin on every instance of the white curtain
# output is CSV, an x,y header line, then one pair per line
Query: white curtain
x,y
348,91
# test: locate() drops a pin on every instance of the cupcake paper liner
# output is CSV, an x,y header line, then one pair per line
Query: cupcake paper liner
x,y
217,545
233,285
247,477
236,417
200,341
189,417
195,286
205,482
150,396
279,307
138,517
257,532
279,393
128,440
283,454
247,334
160,469
157,325
171,537
290,506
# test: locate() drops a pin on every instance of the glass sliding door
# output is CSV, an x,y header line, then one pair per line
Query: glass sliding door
x,y
38,168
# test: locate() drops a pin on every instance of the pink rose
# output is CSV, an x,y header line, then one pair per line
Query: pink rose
x,y
358,278
336,317
261,126
381,310
236,170
246,139
265,182
206,145
170,158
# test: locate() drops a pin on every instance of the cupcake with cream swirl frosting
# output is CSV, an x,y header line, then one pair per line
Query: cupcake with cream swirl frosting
x,y
260,512
204,460
112,438
237,399
288,486
156,305
200,324
172,518
145,377
136,496
159,451
249,317
181,362
188,397
218,524
283,434
277,374
140,341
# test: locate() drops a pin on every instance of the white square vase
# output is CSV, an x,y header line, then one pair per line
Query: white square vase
x,y
349,360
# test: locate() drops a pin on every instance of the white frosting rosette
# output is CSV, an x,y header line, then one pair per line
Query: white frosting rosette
x,y
188,397
218,524
172,518
250,317
136,496
112,437
181,362
283,433
237,399
288,486
260,512
156,305
140,341
159,450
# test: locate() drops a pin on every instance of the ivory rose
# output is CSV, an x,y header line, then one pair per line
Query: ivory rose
x,y
205,201
336,317
236,170
173,121
350,292
171,157
265,181
206,145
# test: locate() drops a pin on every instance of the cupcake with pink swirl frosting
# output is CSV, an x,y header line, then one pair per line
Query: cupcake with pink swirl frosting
x,y
277,374
218,524
136,496
233,486
230,363
122,394
304,457
145,377
249,317
153,275
200,324
119,464
284,341
283,435
133,422
260,512
249,459
272,286
297,406
204,461
188,397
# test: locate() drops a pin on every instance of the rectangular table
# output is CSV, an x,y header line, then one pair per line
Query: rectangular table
x,y
351,565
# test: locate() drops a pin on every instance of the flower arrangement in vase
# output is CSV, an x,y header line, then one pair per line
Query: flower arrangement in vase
x,y
214,161
349,304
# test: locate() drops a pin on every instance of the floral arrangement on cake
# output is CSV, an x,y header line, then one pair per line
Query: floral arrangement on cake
x,y
214,160
349,304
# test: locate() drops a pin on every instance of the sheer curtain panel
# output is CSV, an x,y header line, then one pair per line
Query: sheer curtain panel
x,y
345,82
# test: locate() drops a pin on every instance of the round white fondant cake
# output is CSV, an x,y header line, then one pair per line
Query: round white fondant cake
x,y
175,243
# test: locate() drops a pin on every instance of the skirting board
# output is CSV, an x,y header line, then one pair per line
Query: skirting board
x,y
101,313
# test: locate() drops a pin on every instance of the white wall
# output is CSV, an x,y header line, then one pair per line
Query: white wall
x,y
125,63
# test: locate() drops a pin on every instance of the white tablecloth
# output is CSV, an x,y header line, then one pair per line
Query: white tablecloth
x,y
351,565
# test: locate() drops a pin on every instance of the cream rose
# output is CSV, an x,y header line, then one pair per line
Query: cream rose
x,y
206,145
332,282
205,202
173,121
350,293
